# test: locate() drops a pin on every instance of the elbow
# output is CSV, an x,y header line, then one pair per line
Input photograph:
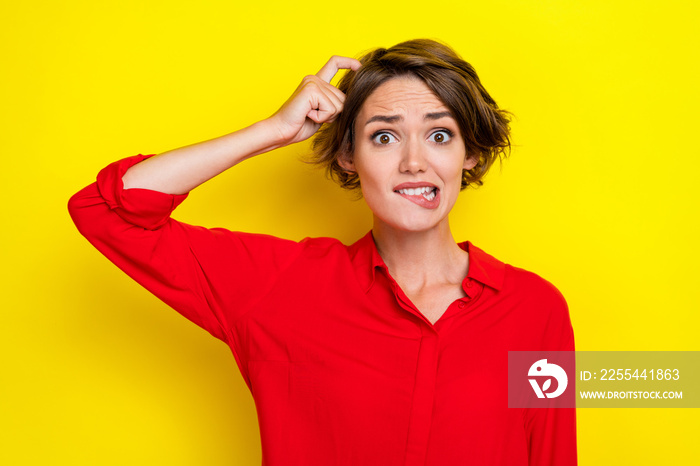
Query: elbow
x,y
79,207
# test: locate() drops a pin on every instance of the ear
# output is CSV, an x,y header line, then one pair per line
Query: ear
x,y
470,161
345,161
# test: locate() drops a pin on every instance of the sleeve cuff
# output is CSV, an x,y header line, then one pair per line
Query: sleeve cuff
x,y
142,207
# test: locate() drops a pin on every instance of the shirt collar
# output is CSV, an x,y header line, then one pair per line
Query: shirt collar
x,y
483,267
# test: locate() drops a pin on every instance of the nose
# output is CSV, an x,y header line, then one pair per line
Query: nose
x,y
413,158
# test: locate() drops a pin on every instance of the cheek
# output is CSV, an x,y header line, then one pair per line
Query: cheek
x,y
371,172
374,187
371,188
451,170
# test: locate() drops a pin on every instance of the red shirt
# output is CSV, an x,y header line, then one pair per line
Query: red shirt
x,y
343,368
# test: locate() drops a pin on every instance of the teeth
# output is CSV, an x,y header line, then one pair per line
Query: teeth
x,y
428,193
416,191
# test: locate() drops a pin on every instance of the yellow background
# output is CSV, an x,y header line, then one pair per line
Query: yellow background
x,y
599,197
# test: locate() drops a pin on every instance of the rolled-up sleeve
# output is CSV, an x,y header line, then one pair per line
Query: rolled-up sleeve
x,y
210,276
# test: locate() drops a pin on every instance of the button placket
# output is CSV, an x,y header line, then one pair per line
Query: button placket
x,y
423,398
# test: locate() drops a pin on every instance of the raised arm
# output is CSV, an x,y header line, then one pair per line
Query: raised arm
x,y
178,171
211,276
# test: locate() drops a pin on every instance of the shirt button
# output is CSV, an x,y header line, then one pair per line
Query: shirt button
x,y
469,283
461,305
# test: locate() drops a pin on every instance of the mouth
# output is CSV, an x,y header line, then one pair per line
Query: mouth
x,y
427,192
426,196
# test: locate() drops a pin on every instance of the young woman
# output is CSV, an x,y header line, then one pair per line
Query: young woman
x,y
389,351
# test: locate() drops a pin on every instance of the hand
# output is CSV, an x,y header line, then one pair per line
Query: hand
x,y
314,102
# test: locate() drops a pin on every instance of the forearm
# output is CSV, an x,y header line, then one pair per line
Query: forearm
x,y
180,170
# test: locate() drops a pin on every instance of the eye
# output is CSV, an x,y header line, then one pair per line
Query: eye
x,y
441,136
383,138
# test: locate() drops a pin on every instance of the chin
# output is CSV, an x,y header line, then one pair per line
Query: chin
x,y
410,223
405,217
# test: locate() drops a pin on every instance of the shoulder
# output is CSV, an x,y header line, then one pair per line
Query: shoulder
x,y
543,312
320,243
319,249
532,284
517,282
536,310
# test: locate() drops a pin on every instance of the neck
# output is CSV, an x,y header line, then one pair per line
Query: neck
x,y
423,258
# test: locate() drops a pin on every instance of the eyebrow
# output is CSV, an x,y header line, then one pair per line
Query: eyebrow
x,y
437,115
395,118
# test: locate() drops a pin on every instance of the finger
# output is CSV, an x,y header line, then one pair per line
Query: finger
x,y
324,87
337,63
335,96
314,85
322,108
331,89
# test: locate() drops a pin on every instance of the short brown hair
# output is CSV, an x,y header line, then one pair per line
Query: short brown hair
x,y
483,125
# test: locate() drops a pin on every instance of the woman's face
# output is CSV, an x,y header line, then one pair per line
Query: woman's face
x,y
409,156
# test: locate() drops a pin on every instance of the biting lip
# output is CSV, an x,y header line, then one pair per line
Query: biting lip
x,y
418,184
422,193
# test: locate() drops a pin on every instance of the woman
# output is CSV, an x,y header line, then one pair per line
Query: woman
x,y
390,351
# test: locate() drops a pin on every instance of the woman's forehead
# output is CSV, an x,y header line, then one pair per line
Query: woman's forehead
x,y
401,96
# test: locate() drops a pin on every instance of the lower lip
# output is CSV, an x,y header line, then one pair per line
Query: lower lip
x,y
421,201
